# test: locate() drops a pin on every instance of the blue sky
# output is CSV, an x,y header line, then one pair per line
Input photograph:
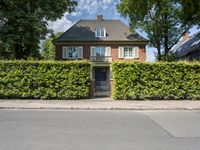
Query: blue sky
x,y
89,9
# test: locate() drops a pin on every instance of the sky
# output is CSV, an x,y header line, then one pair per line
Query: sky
x,y
89,9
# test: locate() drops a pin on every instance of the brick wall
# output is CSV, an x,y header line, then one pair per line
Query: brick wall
x,y
114,52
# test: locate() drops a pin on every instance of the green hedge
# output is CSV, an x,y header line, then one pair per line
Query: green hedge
x,y
44,80
156,80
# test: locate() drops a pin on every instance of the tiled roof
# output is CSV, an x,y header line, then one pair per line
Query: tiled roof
x,y
84,30
189,46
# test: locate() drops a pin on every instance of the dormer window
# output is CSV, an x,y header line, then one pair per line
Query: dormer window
x,y
100,32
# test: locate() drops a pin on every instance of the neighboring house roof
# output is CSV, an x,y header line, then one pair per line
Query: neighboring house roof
x,y
84,30
183,48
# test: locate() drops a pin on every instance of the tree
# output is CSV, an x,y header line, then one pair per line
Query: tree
x,y
6,49
48,48
23,23
191,11
161,20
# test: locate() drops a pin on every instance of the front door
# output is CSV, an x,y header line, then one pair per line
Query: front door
x,y
102,82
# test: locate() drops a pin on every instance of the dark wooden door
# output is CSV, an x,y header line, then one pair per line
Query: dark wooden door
x,y
102,83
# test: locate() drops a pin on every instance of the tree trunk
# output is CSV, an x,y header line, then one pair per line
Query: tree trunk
x,y
166,49
19,54
165,36
159,57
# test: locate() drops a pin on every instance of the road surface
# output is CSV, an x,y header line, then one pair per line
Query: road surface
x,y
99,130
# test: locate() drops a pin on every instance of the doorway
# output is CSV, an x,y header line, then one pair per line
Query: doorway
x,y
102,82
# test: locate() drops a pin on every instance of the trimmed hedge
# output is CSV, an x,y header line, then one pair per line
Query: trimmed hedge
x,y
138,81
44,80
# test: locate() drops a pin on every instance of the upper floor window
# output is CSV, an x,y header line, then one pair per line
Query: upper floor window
x,y
100,32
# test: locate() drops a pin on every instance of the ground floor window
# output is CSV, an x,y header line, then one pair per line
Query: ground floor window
x,y
72,52
100,51
128,52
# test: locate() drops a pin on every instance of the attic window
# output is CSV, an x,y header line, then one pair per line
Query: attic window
x,y
100,32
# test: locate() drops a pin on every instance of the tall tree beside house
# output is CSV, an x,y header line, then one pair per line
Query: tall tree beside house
x,y
24,23
161,20
191,11
6,49
48,48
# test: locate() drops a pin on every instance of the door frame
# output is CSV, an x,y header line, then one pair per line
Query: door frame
x,y
105,90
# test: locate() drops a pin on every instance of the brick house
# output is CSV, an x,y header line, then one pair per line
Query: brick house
x,y
188,48
101,42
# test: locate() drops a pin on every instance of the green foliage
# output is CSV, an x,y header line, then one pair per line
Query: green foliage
x,y
48,48
191,11
23,23
162,21
156,80
44,80
169,57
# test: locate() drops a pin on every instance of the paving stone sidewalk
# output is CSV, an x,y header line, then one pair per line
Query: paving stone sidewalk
x,y
101,104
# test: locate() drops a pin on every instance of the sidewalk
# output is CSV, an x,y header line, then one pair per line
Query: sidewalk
x,y
100,104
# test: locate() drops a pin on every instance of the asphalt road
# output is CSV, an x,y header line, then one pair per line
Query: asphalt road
x,y
99,130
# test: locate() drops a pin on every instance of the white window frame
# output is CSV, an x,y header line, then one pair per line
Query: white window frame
x,y
135,52
65,52
107,51
130,52
102,32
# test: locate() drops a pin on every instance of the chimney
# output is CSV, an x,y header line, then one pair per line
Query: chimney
x,y
100,17
185,37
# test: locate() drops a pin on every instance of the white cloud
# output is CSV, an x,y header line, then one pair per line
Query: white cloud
x,y
107,1
74,14
93,6
60,25
86,9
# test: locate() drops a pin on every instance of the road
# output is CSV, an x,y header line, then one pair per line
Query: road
x,y
99,130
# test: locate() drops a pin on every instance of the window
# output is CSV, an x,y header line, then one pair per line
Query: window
x,y
72,52
100,51
100,32
128,52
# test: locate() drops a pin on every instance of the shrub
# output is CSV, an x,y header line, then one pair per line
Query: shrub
x,y
44,80
156,80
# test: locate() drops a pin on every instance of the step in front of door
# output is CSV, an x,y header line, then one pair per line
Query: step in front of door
x,y
102,93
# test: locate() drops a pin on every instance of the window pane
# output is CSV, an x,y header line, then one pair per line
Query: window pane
x,y
126,52
102,32
98,32
73,52
130,52
103,51
100,51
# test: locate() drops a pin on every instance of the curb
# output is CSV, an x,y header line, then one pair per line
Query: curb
x,y
100,105
90,108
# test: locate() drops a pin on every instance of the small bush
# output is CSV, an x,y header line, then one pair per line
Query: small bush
x,y
156,80
44,80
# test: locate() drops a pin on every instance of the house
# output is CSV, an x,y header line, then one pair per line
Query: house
x,y
188,48
101,42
